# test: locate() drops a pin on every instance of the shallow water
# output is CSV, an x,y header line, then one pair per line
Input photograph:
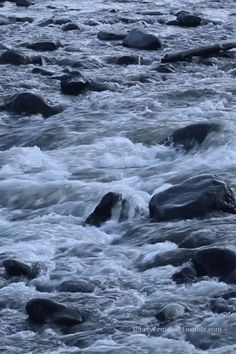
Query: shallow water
x,y
53,173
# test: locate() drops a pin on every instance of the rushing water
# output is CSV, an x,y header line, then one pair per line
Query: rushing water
x,y
53,173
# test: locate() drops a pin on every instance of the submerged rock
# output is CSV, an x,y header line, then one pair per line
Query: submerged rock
x,y
14,268
128,60
103,211
30,103
221,306
42,71
228,294
195,197
76,286
111,36
61,21
4,21
71,26
215,262
196,240
23,3
185,275
141,40
171,312
174,257
24,19
165,69
191,135
48,311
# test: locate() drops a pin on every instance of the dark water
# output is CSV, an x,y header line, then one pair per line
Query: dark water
x,y
54,171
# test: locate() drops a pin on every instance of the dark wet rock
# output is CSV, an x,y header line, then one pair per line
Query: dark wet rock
x,y
228,294
191,135
37,59
221,306
231,279
141,40
196,240
174,257
70,27
30,103
61,21
48,311
14,268
128,60
195,197
44,46
23,3
165,69
74,84
215,262
14,57
111,36
76,286
185,275
186,19
103,211
24,19
171,312
42,71
150,13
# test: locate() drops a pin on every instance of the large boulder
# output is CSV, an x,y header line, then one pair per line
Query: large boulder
x,y
141,40
48,311
30,103
103,211
215,262
195,197
191,135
